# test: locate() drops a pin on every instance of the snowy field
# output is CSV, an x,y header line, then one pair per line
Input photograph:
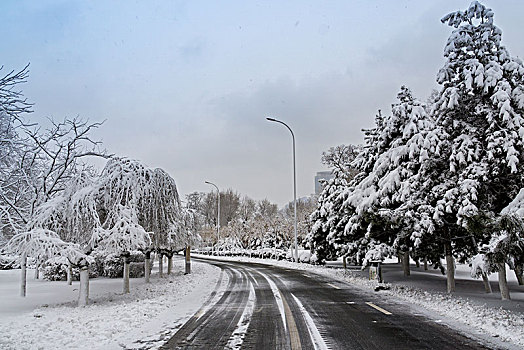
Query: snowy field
x,y
48,317
493,323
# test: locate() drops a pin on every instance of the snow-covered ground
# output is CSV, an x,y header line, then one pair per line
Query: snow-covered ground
x,y
489,319
48,317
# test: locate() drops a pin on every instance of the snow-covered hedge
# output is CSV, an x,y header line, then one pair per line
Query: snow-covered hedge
x,y
8,262
113,265
55,271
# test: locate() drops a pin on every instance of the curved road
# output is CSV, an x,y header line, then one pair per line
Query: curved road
x,y
267,307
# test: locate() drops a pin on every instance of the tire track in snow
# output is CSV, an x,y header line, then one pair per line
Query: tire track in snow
x,y
236,339
278,298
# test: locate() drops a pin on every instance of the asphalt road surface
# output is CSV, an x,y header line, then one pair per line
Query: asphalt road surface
x,y
266,307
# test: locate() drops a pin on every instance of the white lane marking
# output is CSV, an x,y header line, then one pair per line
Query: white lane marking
x,y
378,308
254,280
278,298
237,338
350,302
314,334
332,285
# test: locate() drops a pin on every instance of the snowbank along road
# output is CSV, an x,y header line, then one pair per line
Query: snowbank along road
x,y
265,307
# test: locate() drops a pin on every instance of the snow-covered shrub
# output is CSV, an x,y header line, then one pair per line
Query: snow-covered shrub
x,y
113,265
304,256
98,264
53,270
136,269
9,262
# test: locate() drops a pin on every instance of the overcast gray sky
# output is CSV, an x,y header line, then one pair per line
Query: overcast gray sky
x,y
186,85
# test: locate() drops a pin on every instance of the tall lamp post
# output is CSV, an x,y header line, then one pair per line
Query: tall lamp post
x,y
218,209
294,181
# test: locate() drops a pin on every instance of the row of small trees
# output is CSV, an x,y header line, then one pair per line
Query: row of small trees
x,y
53,205
247,224
442,178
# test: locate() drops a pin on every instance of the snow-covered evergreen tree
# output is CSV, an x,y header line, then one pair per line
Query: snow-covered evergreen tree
x,y
327,219
479,128
386,203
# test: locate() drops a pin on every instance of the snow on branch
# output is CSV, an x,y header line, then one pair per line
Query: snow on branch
x,y
124,235
152,194
56,152
42,244
516,206
12,102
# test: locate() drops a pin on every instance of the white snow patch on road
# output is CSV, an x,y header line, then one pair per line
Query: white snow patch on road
x,y
113,319
237,338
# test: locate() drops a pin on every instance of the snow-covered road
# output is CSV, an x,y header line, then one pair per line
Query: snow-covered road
x,y
270,307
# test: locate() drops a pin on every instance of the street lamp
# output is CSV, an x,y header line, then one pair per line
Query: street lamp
x,y
218,209
294,181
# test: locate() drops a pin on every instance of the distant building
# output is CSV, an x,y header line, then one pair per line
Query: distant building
x,y
322,175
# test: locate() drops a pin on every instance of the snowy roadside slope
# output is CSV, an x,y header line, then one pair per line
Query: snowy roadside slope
x,y
492,324
112,320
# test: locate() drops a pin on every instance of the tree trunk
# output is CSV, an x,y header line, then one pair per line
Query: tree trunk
x,y
69,272
23,277
160,265
83,299
405,263
169,264
450,267
417,259
503,283
518,274
425,264
126,274
188,260
487,285
37,272
147,272
344,263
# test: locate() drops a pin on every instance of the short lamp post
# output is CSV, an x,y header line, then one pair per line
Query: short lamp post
x,y
294,181
218,209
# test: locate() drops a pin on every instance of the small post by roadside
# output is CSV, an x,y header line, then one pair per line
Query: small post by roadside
x,y
375,270
188,260
344,262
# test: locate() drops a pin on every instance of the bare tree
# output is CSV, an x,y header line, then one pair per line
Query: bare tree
x,y
13,189
266,209
229,204
339,158
247,209
54,155
194,200
13,104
